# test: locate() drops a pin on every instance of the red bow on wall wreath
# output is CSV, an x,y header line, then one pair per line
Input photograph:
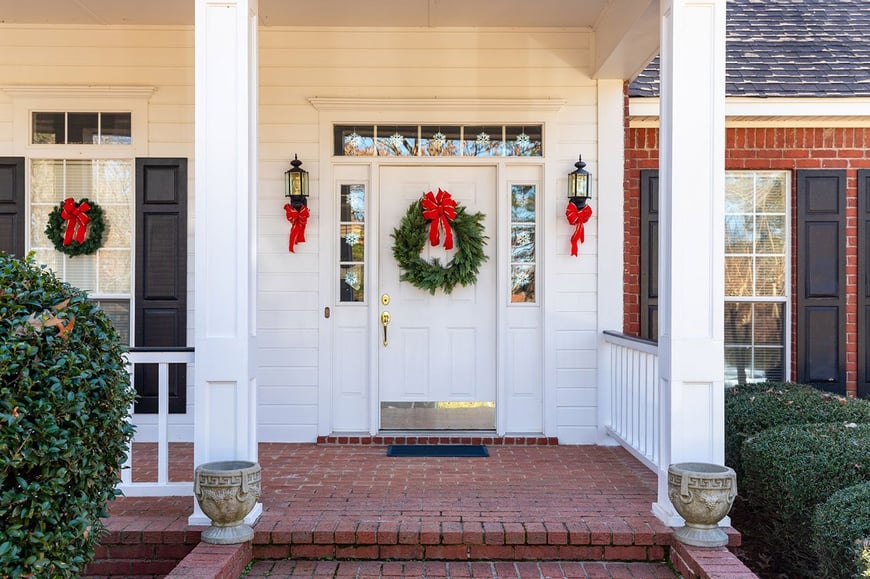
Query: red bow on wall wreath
x,y
577,217
298,218
76,228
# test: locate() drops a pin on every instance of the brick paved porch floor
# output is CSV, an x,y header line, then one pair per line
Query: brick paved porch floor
x,y
349,510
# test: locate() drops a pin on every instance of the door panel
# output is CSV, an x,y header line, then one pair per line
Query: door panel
x,y
440,348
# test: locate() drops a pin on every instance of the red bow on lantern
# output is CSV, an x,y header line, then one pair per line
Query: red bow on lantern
x,y
439,210
77,220
577,217
298,218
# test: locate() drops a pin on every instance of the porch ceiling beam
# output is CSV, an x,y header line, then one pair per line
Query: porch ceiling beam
x,y
626,38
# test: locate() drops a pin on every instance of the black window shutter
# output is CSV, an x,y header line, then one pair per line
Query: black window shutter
x,y
161,274
649,254
821,279
863,283
12,205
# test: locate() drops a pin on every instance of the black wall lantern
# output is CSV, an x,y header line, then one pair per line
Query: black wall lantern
x,y
296,184
578,184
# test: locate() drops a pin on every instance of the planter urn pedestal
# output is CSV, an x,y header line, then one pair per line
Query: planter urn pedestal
x,y
226,492
702,494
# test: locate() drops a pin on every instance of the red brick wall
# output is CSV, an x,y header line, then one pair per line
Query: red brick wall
x,y
760,149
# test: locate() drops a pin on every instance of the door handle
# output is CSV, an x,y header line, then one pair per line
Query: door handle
x,y
385,321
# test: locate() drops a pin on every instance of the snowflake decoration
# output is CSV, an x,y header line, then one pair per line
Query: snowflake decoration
x,y
523,140
524,238
438,139
353,138
351,238
521,278
397,140
351,278
482,139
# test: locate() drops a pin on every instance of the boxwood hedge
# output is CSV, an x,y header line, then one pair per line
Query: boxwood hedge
x,y
790,470
64,398
752,408
841,531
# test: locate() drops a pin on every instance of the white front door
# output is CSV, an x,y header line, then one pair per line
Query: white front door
x,y
437,369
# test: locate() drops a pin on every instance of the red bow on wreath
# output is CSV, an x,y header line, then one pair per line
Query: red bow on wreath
x,y
577,217
77,220
439,210
298,218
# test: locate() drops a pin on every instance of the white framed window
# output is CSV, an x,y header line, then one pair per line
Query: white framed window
x,y
756,275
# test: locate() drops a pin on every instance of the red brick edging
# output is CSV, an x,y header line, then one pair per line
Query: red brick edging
x,y
708,563
215,561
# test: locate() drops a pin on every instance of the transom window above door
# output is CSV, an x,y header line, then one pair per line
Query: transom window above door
x,y
82,128
438,140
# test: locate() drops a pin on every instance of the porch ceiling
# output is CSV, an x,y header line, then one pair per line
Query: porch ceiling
x,y
415,13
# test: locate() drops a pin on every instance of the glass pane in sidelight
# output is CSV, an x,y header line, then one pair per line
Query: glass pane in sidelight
x,y
352,243
483,141
116,129
83,129
524,141
523,203
353,203
738,276
398,141
770,234
770,276
437,141
352,141
522,283
49,129
351,283
738,233
739,192
522,243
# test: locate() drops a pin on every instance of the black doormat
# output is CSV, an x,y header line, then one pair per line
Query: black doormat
x,y
447,450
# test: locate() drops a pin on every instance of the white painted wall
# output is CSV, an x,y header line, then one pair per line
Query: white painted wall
x,y
298,64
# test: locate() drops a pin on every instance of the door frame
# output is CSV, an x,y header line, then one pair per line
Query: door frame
x,y
334,111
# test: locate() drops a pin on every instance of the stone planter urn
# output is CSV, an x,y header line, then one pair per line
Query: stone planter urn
x,y
226,492
702,494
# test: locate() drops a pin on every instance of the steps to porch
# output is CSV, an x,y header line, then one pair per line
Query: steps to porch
x,y
349,510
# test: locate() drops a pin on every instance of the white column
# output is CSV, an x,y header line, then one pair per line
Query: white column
x,y
225,224
691,262
607,201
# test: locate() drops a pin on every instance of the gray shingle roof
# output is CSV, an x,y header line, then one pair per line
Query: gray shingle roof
x,y
790,48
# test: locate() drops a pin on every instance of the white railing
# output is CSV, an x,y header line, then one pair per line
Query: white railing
x,y
162,487
634,396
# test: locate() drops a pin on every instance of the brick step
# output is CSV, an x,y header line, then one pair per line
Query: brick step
x,y
429,438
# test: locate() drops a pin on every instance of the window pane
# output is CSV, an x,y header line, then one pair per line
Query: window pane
x,y
118,220
523,243
115,129
397,141
738,323
46,180
739,192
48,129
768,364
81,271
118,312
440,141
80,180
770,276
83,129
738,276
353,203
115,267
769,324
354,141
483,141
522,283
115,181
523,203
352,243
38,221
352,283
770,193
738,365
524,141
738,234
770,234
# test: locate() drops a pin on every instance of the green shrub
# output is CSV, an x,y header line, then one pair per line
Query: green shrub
x,y
752,408
841,527
789,470
64,398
